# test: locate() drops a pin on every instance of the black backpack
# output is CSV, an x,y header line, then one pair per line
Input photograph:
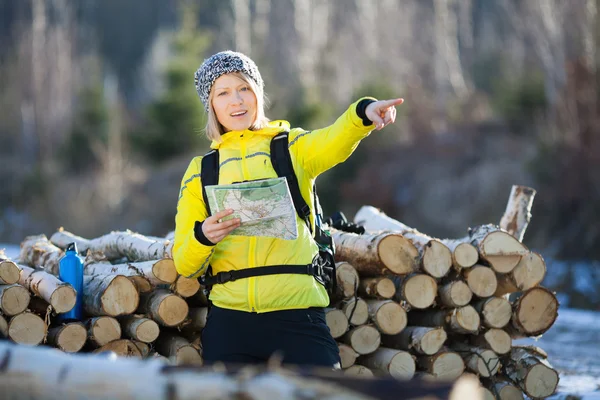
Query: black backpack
x,y
322,266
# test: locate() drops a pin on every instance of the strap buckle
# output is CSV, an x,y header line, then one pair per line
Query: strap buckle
x,y
225,276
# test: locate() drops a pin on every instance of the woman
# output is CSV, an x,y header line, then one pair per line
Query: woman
x,y
252,318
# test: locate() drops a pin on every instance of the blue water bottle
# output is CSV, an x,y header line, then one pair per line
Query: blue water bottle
x,y
70,270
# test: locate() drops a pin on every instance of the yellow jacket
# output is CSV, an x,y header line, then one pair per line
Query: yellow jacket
x,y
245,155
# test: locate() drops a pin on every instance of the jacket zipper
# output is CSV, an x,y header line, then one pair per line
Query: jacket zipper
x,y
252,246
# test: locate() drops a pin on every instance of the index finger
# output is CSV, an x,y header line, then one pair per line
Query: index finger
x,y
221,214
392,102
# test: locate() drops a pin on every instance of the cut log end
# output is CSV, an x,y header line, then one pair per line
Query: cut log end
x,y
504,263
445,366
63,299
465,255
9,272
173,310
535,311
69,338
358,371
437,259
186,287
496,312
103,330
357,311
165,270
27,328
455,294
147,331
465,319
389,317
363,339
397,363
347,355
14,299
419,290
481,280
347,279
541,381
337,322
398,254
121,347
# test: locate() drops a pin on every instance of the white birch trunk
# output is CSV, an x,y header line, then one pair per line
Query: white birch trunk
x,y
60,295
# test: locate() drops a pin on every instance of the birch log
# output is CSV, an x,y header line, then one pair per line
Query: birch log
x,y
358,370
505,389
121,347
14,299
483,362
347,355
496,340
455,294
26,328
364,339
377,288
460,320
534,376
37,251
397,363
115,245
535,311
417,290
481,280
144,348
464,254
69,338
356,311
518,211
185,287
347,280
164,307
9,271
60,295
501,250
156,271
435,257
337,321
445,365
417,339
3,327
140,328
111,295
529,273
195,322
495,312
102,330
375,255
389,317
177,349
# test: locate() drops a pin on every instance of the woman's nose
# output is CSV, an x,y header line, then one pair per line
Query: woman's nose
x,y
237,98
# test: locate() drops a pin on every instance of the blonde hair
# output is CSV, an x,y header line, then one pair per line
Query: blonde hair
x,y
214,129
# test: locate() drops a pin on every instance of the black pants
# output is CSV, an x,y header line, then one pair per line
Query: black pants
x,y
302,337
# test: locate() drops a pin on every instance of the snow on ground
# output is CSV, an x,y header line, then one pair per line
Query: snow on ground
x,y
572,344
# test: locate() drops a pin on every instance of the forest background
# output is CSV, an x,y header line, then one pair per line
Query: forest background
x,y
99,116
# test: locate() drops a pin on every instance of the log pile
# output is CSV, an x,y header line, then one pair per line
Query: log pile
x,y
407,304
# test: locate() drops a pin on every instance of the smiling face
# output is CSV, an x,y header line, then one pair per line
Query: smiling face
x,y
234,103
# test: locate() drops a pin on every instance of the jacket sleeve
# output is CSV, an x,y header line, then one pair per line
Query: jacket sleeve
x,y
190,256
324,148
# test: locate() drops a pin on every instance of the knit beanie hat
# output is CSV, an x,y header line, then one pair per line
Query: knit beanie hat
x,y
223,63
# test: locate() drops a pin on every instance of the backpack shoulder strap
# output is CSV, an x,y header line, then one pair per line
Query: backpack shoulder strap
x,y
209,174
282,163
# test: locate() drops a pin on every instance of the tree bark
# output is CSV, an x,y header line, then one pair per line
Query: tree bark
x,y
115,245
444,365
347,280
535,311
337,321
60,295
9,271
435,257
375,255
376,288
111,295
102,330
495,312
37,251
518,211
364,339
26,328
481,280
140,328
177,349
389,317
417,290
69,338
459,320
534,376
164,307
455,294
14,299
397,363
417,339
529,273
356,311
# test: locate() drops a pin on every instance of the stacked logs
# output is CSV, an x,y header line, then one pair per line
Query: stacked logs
x,y
412,305
135,303
407,304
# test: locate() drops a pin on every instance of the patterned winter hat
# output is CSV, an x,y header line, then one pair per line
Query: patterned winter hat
x,y
223,63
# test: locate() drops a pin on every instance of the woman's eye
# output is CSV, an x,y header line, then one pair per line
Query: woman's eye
x,y
222,94
245,88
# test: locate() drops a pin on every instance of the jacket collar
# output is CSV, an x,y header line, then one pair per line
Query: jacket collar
x,y
272,129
